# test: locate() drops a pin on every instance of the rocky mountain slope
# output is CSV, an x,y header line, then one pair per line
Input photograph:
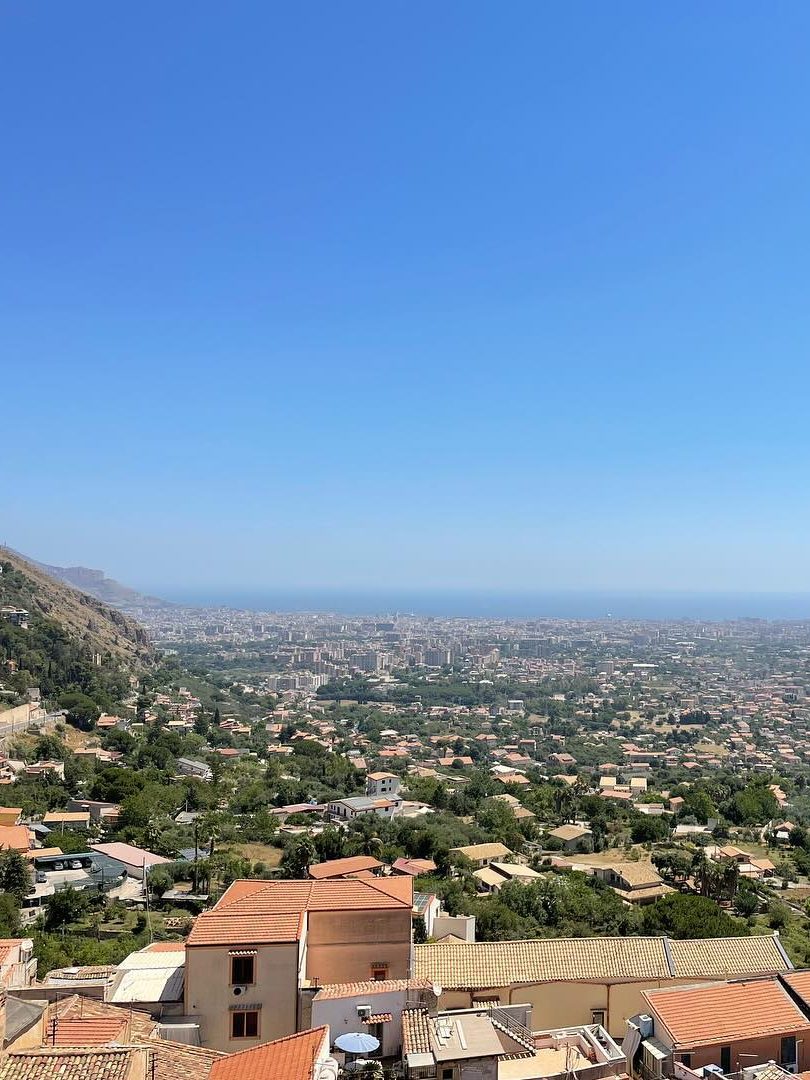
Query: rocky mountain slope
x,y
97,584
106,632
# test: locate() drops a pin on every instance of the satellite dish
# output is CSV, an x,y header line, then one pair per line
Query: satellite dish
x,y
437,990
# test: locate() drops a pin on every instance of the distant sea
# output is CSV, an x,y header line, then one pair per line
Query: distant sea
x,y
501,605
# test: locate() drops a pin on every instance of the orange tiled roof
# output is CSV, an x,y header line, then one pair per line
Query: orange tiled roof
x,y
222,928
15,837
799,982
255,911
87,1031
723,1012
340,867
292,1058
380,986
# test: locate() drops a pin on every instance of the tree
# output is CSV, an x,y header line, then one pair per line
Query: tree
x,y
747,903
15,875
682,916
81,710
647,829
778,915
160,881
64,907
297,858
9,916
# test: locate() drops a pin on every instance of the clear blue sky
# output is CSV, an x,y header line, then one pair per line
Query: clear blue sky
x,y
413,294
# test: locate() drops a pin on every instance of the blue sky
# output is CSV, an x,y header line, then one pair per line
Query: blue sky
x,y
427,295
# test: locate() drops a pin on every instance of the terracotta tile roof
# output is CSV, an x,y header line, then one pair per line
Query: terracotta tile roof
x,y
378,1018
176,1061
15,837
415,1035
165,946
637,875
292,1058
341,867
760,955
414,867
255,911
799,983
57,816
724,1012
6,945
482,851
363,989
87,1031
140,1025
234,928
173,1061
77,1064
494,964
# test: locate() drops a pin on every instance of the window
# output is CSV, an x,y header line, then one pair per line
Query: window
x,y
242,970
686,1059
244,1025
447,1074
379,972
725,1059
598,1017
787,1050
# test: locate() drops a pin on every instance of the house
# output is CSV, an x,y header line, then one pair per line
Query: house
x,y
483,854
304,1056
492,877
72,1022
18,965
413,867
466,1043
67,819
190,767
136,861
10,816
588,980
46,768
104,813
247,957
731,1025
381,785
358,805
77,1063
341,868
15,838
634,882
375,1007
490,1043
572,837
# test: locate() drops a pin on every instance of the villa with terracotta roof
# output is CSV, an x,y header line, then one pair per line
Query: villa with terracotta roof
x,y
248,957
732,1025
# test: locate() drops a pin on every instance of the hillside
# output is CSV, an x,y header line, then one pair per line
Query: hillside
x,y
97,584
59,611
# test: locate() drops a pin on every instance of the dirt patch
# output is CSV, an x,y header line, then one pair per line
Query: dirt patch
x,y
266,853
